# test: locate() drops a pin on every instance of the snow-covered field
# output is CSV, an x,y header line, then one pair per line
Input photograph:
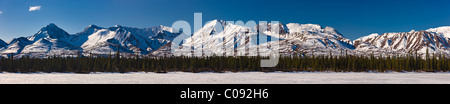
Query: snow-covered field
x,y
227,78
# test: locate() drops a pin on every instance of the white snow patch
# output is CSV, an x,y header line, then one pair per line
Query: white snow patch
x,y
228,78
444,30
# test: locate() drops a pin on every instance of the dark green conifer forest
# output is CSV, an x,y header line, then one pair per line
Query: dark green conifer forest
x,y
114,63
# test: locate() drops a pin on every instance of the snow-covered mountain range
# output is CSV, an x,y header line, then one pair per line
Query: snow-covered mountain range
x,y
52,40
435,41
221,38
293,38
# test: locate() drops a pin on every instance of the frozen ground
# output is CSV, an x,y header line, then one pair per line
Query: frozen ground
x,y
227,78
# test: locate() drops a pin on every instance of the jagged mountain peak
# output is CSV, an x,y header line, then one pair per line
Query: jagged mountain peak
x,y
211,27
51,31
52,25
91,29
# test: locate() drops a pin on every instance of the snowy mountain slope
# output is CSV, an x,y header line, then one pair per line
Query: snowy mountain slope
x,y
81,37
444,30
363,45
365,39
51,31
404,43
126,39
210,38
312,38
16,45
296,39
49,47
220,38
163,51
52,40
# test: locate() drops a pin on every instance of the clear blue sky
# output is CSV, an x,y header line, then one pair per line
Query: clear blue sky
x,y
353,18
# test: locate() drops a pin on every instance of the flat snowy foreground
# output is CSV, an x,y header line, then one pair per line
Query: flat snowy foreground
x,y
227,78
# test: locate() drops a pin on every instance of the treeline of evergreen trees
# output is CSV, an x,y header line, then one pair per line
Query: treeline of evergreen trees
x,y
347,63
